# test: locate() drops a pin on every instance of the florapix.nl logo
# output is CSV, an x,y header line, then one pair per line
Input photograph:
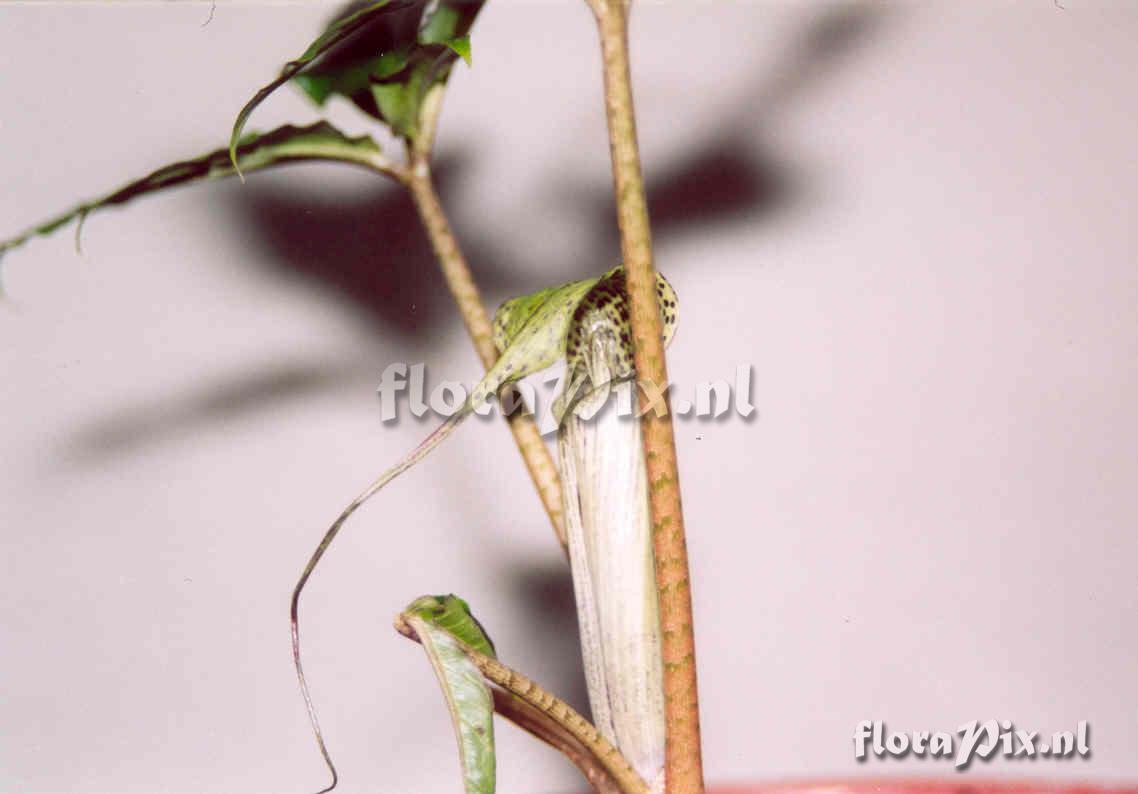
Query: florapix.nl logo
x,y
404,387
973,740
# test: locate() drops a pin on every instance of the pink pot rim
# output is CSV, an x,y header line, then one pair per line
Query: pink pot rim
x,y
921,786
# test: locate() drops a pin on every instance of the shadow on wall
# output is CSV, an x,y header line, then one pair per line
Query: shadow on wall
x,y
168,419
734,175
370,253
550,625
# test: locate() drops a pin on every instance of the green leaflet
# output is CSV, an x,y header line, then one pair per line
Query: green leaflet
x,y
443,624
383,56
452,614
282,145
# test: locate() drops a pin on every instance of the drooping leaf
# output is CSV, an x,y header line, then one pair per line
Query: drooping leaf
x,y
382,56
282,145
338,31
443,624
518,698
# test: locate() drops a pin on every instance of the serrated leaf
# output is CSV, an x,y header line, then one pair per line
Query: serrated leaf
x,y
383,57
443,624
282,145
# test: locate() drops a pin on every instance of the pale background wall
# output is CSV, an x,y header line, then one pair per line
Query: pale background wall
x,y
915,221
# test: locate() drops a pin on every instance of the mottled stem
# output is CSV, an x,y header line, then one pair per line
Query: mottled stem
x,y
683,763
539,724
565,716
417,178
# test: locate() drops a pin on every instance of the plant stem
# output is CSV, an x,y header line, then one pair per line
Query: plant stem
x,y
538,723
565,716
417,178
683,763
453,264
545,715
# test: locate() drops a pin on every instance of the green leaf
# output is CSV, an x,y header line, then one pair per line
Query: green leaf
x,y
382,56
318,87
282,145
451,613
444,624
461,46
399,104
337,32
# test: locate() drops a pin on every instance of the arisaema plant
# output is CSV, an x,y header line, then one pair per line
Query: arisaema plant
x,y
613,501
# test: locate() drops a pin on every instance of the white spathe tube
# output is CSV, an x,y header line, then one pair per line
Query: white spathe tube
x,y
609,527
